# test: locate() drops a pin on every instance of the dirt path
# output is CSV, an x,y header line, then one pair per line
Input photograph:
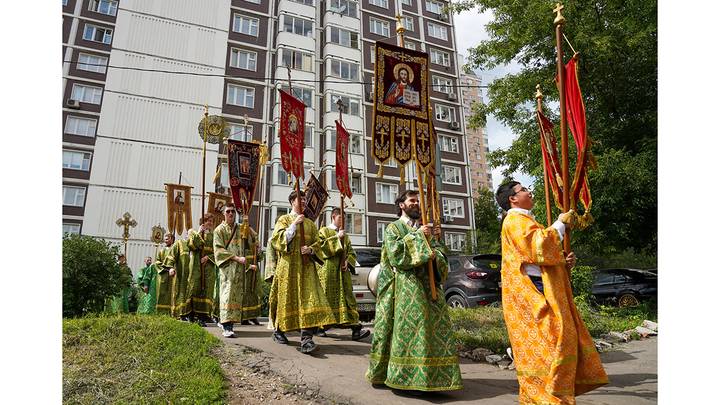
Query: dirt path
x,y
334,373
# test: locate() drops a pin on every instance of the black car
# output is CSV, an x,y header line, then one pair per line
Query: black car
x,y
624,287
473,280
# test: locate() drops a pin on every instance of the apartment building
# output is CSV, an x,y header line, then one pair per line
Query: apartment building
x,y
138,74
477,139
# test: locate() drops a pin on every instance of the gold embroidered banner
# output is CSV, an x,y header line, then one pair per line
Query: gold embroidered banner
x,y
178,208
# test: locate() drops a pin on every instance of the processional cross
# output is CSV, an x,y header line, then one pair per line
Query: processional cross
x,y
126,222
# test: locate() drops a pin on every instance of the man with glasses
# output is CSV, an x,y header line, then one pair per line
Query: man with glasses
x,y
554,355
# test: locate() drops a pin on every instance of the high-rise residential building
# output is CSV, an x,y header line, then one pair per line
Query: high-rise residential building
x,y
137,75
477,139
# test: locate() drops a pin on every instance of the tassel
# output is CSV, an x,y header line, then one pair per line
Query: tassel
x,y
402,176
217,175
584,221
380,171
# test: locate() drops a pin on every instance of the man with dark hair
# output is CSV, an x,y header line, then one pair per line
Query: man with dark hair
x,y
164,278
338,255
554,355
178,261
413,345
296,297
201,280
147,285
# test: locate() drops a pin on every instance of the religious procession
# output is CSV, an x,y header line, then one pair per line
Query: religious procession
x,y
236,264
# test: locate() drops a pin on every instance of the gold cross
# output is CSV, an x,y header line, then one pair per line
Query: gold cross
x,y
559,19
423,138
126,222
402,136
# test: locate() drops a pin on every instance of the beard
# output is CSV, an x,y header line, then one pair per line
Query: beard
x,y
413,213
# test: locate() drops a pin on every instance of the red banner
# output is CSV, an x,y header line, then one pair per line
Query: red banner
x,y
578,127
550,157
292,134
243,171
342,178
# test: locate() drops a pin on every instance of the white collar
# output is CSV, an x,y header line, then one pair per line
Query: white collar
x,y
522,211
409,221
332,226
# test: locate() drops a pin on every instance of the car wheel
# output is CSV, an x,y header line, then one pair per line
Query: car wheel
x,y
628,300
457,301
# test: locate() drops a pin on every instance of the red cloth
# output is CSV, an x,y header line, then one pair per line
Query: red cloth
x,y
341,160
578,127
243,170
550,157
292,134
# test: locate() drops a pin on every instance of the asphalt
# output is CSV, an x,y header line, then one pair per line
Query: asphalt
x,y
338,367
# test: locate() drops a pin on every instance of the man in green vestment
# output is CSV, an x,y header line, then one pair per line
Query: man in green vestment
x,y
338,255
165,277
413,345
146,281
297,300
201,278
234,259
119,303
178,261
252,285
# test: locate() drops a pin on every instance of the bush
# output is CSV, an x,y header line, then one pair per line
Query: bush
x,y
581,279
91,274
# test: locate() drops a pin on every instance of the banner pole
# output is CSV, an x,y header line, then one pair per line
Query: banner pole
x,y
548,208
559,21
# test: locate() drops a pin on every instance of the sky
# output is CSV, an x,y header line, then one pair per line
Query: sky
x,y
467,36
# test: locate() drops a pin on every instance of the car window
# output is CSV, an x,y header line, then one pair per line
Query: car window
x,y
453,263
604,278
368,258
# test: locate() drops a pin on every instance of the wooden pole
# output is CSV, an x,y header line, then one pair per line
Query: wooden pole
x,y
423,211
559,21
202,201
548,208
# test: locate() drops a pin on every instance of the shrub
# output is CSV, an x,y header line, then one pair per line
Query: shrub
x,y
91,274
581,280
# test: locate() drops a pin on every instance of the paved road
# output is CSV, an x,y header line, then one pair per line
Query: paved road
x,y
339,364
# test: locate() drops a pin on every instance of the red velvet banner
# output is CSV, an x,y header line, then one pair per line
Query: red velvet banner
x,y
243,168
292,134
342,178
578,127
550,158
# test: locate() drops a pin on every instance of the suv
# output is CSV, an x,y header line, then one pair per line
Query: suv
x,y
624,287
473,280
367,258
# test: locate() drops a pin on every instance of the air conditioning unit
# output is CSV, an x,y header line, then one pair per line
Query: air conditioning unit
x,y
452,96
446,219
454,125
72,103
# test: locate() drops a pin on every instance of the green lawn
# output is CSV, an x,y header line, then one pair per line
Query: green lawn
x,y
139,359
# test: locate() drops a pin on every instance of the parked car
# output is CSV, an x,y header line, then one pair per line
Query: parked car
x,y
367,258
624,287
473,280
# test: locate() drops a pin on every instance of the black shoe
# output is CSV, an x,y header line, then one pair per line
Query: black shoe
x,y
360,334
185,319
308,347
201,323
245,322
255,321
279,337
321,333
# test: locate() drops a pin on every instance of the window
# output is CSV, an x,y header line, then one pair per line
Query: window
x,y
379,27
80,126
439,57
379,3
372,58
409,23
386,193
92,63
86,94
444,113
433,6
410,45
437,31
76,160
301,93
407,2
388,163
254,1
344,70
241,96
280,211
74,196
283,177
71,228
308,137
356,143
64,2
356,184
240,132
381,226
97,34
451,175
108,7
442,84
246,25
305,2
352,105
344,7
455,241
243,59
298,25
297,60
453,207
224,176
344,37
353,223
449,144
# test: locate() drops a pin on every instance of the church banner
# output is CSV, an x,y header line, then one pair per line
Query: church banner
x,y
243,170
550,155
179,208
578,127
315,198
342,178
292,134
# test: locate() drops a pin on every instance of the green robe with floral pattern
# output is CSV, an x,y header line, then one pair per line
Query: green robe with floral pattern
x,y
413,345
201,279
297,300
237,300
337,283
147,276
178,258
164,284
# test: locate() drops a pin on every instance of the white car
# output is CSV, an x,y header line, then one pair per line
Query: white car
x,y
367,258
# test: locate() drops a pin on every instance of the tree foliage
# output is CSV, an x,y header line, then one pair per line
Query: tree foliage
x,y
91,274
487,222
617,45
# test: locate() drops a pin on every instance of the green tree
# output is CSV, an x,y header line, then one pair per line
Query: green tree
x,y
617,42
487,222
91,274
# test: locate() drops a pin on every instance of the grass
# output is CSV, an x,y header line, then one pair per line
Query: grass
x,y
485,326
139,359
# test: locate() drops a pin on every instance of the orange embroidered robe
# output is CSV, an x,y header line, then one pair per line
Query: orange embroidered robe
x,y
555,356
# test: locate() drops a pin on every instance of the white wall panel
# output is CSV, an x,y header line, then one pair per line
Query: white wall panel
x,y
210,13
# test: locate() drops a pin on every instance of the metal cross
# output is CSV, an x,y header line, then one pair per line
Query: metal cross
x,y
126,222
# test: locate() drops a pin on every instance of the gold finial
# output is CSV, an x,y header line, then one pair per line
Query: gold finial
x,y
400,29
206,110
538,93
559,19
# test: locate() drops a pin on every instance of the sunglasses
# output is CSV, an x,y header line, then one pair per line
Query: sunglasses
x,y
230,211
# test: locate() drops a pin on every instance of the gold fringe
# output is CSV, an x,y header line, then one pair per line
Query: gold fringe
x,y
380,171
402,175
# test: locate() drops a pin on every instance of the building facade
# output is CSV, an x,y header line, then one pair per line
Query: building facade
x,y
138,74
477,139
